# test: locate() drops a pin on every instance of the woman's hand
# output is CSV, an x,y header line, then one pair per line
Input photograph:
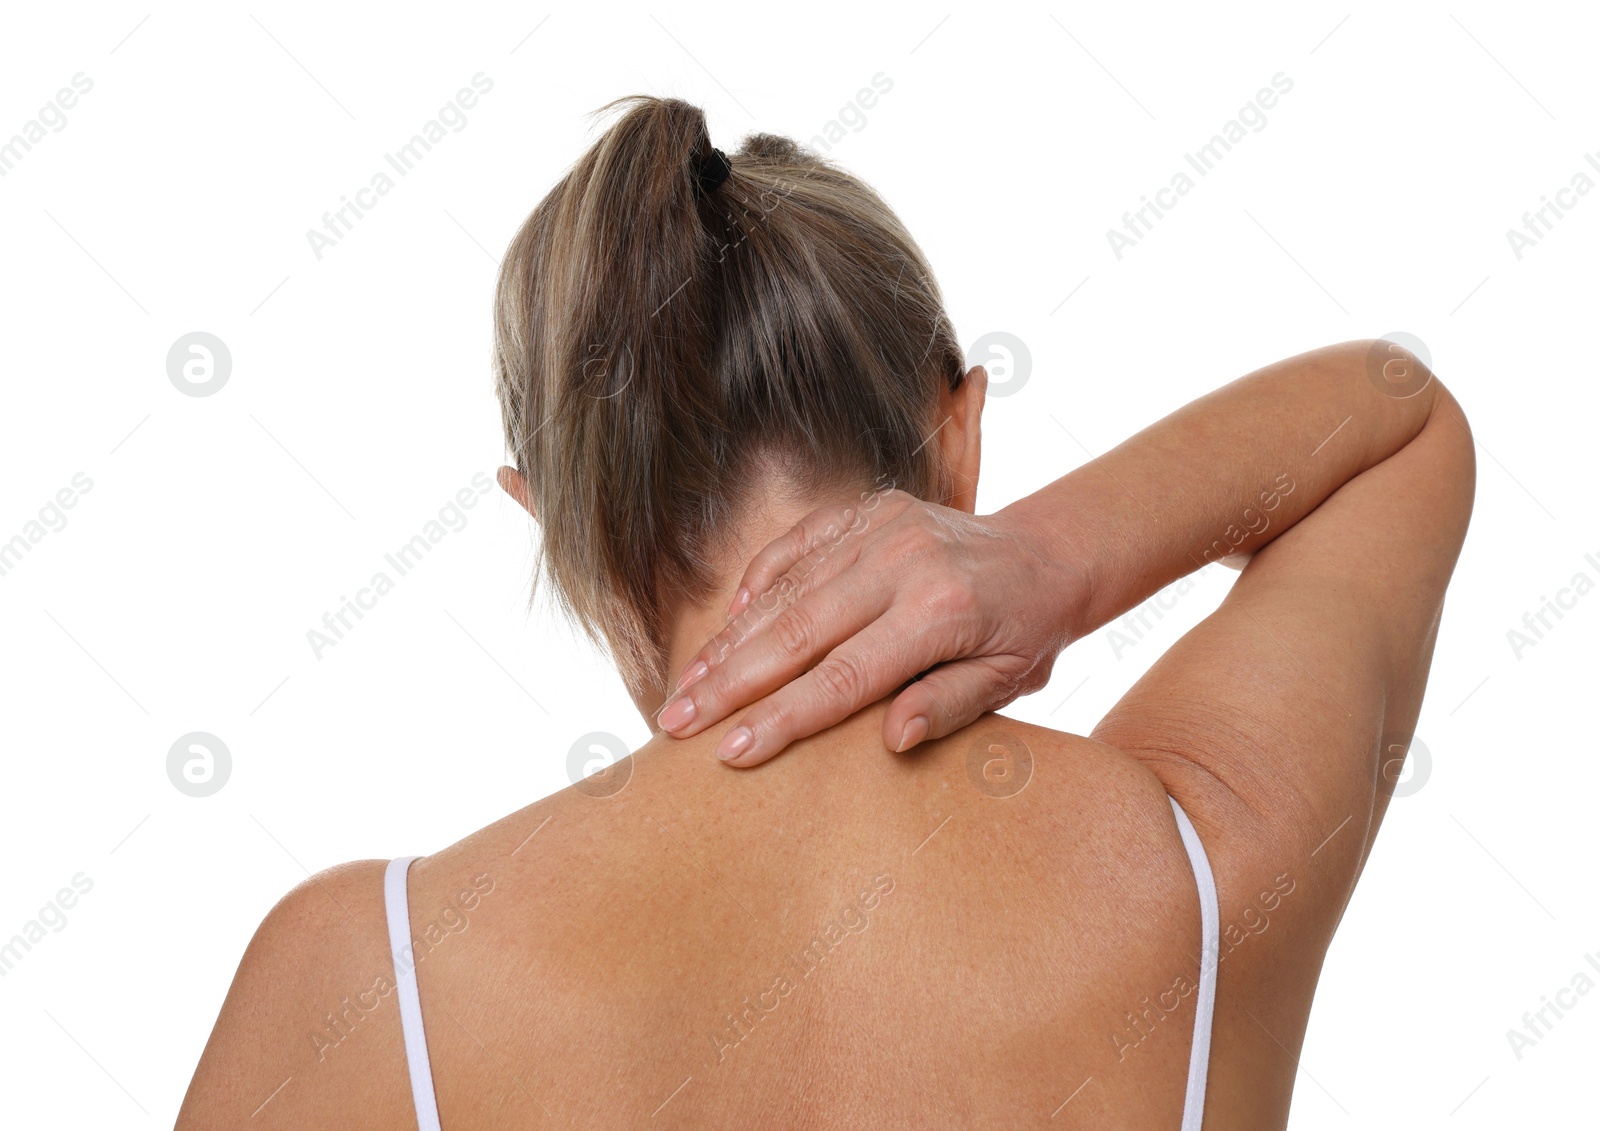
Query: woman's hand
x,y
855,601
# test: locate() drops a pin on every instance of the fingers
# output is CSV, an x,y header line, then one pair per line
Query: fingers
x,y
865,669
823,528
764,648
950,697
818,549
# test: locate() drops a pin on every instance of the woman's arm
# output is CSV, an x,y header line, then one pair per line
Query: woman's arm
x,y
1281,723
309,1034
988,602
1227,473
1299,695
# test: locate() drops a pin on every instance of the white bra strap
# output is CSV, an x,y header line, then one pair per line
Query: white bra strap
x,y
1194,1098
398,909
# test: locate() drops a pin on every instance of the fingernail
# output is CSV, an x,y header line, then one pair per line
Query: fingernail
x,y
916,730
735,743
679,714
740,600
693,674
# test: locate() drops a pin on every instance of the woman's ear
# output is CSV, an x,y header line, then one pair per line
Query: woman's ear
x,y
513,484
961,435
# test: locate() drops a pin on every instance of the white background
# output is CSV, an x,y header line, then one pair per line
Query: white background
x,y
219,529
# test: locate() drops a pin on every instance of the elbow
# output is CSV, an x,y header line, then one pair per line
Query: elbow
x,y
1457,458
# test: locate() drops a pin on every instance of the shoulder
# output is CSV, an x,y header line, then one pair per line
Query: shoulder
x,y
309,1028
334,907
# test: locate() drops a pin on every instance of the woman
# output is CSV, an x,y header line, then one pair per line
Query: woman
x,y
704,360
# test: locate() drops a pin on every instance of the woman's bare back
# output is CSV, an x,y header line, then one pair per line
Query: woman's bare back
x,y
641,957
1000,928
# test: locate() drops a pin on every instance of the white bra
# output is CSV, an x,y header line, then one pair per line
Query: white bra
x,y
400,946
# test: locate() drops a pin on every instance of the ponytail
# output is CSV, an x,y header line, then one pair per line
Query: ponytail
x,y
662,335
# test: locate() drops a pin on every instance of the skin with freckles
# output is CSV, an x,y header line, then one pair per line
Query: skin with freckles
x,y
998,926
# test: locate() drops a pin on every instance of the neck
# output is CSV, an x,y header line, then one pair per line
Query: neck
x,y
694,624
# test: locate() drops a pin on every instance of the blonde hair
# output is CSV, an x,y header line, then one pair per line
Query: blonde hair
x,y
658,345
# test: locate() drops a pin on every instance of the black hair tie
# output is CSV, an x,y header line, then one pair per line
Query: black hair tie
x,y
711,170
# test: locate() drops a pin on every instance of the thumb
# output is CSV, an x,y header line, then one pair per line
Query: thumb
x,y
949,697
